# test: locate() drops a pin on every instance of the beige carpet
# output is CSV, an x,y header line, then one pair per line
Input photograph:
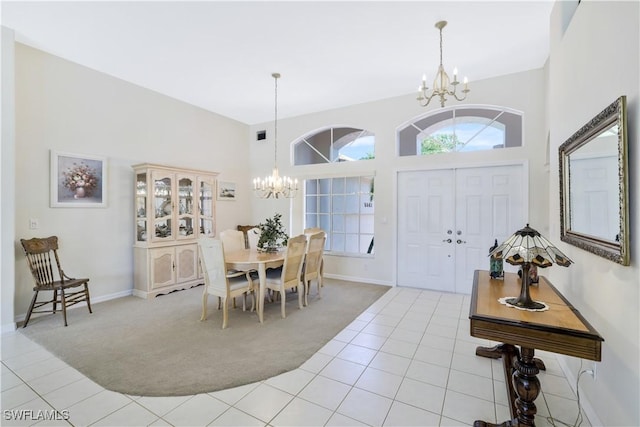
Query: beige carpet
x,y
159,347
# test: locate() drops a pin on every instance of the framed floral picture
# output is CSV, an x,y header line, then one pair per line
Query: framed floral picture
x,y
226,190
78,180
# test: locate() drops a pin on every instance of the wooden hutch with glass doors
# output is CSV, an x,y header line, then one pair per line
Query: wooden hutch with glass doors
x,y
173,208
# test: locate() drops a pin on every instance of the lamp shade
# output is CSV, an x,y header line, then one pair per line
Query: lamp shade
x,y
527,246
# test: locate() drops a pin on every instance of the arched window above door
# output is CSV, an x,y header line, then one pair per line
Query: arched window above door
x,y
466,128
334,144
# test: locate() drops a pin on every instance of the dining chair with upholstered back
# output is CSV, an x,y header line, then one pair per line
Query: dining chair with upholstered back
x,y
312,230
312,269
218,282
244,229
253,237
290,275
47,272
233,240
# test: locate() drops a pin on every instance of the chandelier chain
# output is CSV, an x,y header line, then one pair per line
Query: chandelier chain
x,y
275,131
440,46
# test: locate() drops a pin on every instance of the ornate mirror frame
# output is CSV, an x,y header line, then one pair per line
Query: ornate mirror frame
x,y
616,250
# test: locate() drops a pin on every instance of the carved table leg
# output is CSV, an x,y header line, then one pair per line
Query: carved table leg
x,y
520,370
527,386
539,364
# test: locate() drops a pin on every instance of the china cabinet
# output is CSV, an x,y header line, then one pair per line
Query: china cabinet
x,y
173,208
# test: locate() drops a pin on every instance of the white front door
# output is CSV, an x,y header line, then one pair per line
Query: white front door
x,y
448,220
425,229
594,192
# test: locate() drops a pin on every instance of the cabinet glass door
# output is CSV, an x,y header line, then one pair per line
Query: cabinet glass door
x,y
186,214
163,208
206,207
141,207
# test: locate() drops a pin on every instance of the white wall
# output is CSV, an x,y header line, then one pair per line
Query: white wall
x,y
521,91
63,106
7,174
591,64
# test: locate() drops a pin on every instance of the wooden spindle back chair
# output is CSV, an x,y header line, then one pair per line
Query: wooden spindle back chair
x,y
44,263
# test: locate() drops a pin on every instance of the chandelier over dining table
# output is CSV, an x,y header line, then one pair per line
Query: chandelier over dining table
x,y
442,85
274,185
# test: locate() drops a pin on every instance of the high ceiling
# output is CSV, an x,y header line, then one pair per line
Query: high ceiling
x,y
220,55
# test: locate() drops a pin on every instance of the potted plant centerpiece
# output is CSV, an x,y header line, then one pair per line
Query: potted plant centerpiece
x,y
273,235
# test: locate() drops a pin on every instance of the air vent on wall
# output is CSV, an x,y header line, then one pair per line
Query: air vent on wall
x,y
261,135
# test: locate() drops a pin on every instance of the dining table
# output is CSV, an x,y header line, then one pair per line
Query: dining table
x,y
251,259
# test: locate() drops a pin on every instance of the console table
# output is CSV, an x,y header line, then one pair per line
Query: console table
x,y
561,329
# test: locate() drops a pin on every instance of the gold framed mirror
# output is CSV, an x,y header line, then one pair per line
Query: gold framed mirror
x,y
594,208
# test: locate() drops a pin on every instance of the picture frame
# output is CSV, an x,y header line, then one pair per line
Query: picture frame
x,y
226,190
78,180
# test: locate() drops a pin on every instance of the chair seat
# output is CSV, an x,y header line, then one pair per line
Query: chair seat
x,y
274,273
238,282
62,285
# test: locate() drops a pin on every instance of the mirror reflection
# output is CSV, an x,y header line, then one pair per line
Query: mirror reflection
x,y
593,190
593,185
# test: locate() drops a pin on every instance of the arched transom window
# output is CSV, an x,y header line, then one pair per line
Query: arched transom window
x,y
461,129
335,144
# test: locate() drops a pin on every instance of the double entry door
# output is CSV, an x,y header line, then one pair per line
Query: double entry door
x,y
448,219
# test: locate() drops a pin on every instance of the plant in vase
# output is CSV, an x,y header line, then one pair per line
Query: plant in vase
x,y
272,234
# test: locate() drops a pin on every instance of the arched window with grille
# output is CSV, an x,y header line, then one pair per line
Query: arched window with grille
x,y
459,129
334,144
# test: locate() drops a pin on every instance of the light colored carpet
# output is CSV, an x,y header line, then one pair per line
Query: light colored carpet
x,y
159,347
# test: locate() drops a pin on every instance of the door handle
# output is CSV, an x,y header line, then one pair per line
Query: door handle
x,y
447,240
460,241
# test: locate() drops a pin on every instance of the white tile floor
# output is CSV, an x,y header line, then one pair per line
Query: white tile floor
x,y
408,360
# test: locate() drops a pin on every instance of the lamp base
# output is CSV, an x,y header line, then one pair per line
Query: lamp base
x,y
527,305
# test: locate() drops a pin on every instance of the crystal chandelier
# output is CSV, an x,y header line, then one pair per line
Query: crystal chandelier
x,y
442,86
274,185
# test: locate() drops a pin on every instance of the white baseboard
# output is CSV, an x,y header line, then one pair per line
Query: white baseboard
x,y
94,300
9,328
589,411
358,279
139,294
104,298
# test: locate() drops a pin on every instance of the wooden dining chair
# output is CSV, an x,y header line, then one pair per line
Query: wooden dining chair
x,y
244,229
290,275
218,282
253,237
312,269
312,230
47,272
233,240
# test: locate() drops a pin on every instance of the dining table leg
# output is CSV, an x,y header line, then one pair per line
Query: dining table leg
x,y
262,276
